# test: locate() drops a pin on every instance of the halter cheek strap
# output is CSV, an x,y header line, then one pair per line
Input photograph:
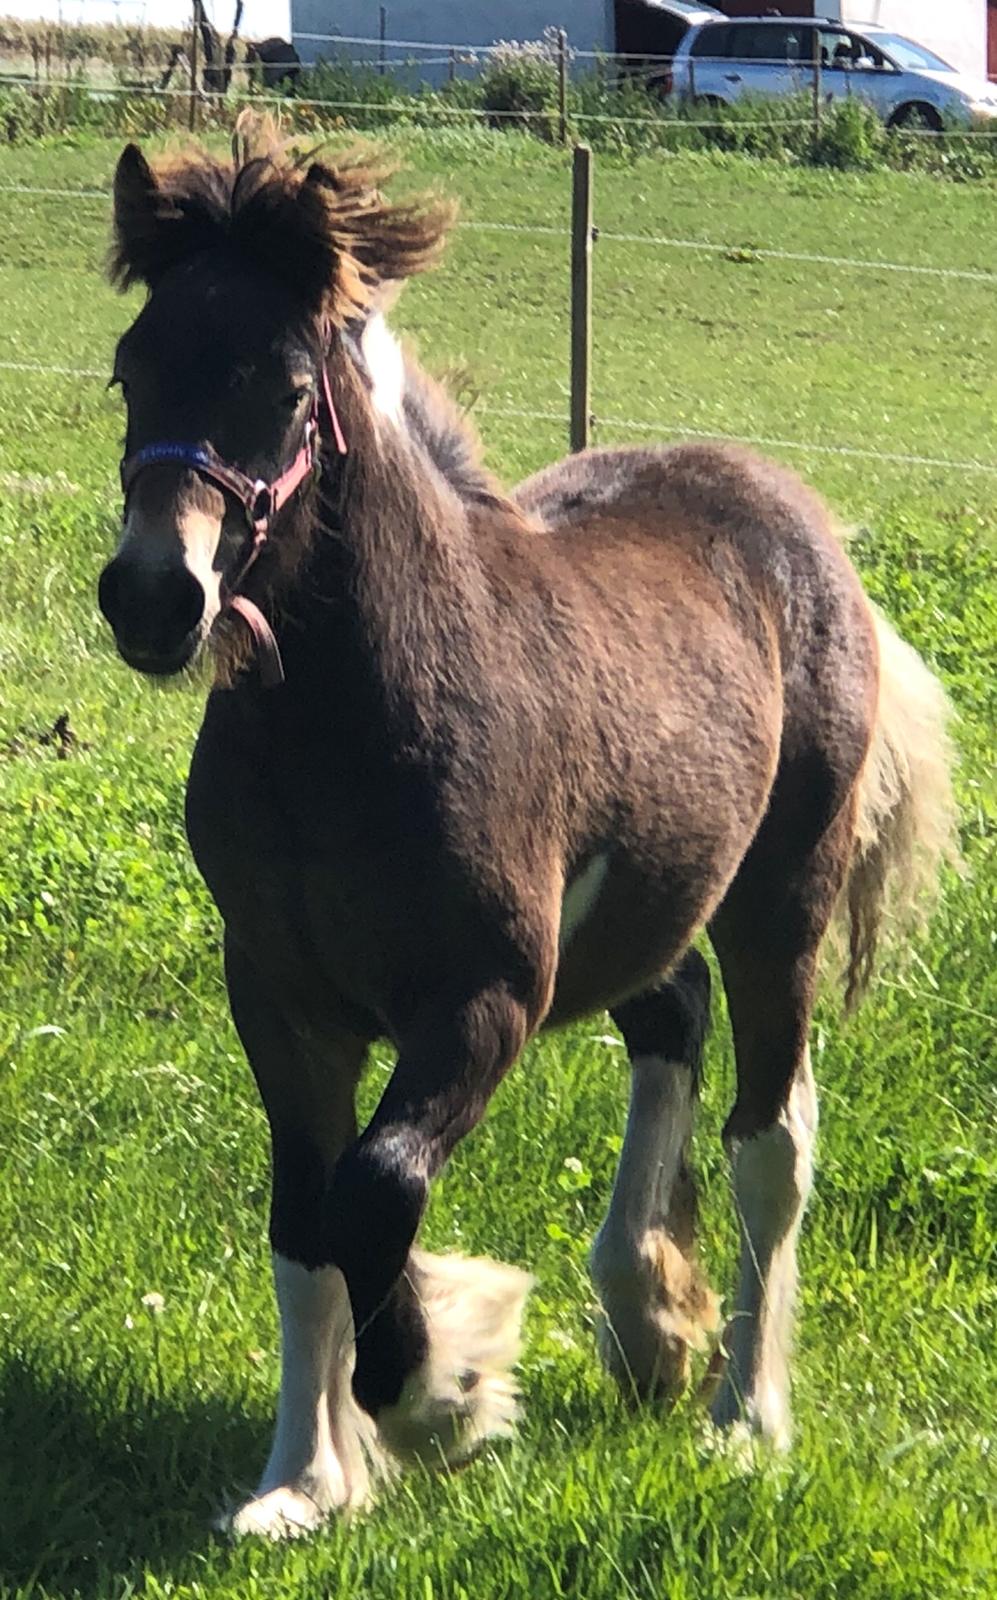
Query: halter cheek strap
x,y
260,500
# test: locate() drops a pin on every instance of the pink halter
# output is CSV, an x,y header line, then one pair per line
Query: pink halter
x,y
261,502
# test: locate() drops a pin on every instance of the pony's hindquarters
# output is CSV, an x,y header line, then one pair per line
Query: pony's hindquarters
x,y
905,814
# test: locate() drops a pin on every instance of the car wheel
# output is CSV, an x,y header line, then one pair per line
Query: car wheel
x,y
916,115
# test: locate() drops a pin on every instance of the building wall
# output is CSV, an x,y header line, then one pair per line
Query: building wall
x,y
957,29
589,22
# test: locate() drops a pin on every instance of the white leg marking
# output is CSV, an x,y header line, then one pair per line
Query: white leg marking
x,y
659,1122
580,896
318,1460
464,1392
655,1304
385,367
773,1175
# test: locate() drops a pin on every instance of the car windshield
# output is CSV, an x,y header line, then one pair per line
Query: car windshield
x,y
912,57
684,8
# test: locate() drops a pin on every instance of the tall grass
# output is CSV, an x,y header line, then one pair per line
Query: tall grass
x,y
133,1146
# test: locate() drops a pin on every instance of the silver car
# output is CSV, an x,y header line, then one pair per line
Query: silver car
x,y
721,62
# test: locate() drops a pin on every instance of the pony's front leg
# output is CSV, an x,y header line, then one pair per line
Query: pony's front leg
x,y
436,1336
322,1443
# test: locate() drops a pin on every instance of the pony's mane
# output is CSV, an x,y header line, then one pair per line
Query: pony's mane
x,y
449,438
325,231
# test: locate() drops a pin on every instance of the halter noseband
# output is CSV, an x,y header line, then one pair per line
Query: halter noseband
x,y
261,501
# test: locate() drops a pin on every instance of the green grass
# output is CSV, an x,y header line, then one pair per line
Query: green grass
x,y
135,1152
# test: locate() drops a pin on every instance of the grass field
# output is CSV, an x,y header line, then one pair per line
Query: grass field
x,y
134,1151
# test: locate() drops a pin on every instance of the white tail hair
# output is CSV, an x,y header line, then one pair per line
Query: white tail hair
x,y
905,824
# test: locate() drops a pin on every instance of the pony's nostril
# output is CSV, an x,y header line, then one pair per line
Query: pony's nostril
x,y
183,602
152,610
107,591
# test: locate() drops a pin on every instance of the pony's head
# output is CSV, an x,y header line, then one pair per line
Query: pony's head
x,y
259,272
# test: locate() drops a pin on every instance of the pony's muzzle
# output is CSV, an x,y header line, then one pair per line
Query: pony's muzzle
x,y
155,612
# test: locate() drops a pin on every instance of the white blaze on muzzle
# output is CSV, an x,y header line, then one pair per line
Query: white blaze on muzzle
x,y
260,501
161,532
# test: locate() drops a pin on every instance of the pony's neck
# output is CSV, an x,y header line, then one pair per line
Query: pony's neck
x,y
397,562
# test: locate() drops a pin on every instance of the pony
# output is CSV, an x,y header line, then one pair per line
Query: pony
x,y
474,765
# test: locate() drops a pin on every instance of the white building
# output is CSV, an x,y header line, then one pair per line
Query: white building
x,y
956,29
442,22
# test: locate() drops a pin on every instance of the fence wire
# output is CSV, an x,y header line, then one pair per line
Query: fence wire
x,y
666,427
810,447
414,108
740,253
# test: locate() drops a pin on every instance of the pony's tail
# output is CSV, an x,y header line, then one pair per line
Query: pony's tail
x,y
905,825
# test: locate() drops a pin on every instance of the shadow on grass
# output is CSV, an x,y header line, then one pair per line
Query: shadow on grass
x,y
99,1482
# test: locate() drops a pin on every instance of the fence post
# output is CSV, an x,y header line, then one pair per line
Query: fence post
x,y
192,108
818,84
451,66
381,36
581,296
562,84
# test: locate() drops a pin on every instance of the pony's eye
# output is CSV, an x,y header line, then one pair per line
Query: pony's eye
x,y
292,401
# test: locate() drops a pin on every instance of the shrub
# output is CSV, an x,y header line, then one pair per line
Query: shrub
x,y
519,85
851,138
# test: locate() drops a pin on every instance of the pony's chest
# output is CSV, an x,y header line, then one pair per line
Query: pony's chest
x,y
310,863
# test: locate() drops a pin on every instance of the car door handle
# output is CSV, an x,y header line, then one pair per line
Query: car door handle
x,y
733,77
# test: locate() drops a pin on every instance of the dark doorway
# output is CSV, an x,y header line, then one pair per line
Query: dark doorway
x,y
642,30
765,8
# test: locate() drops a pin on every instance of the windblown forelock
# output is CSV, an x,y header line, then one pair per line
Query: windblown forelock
x,y
326,233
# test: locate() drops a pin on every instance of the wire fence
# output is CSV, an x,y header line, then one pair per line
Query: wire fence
x,y
421,109
743,252
672,427
827,79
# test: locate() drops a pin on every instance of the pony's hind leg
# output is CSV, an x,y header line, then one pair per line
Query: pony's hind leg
x,y
656,1306
767,935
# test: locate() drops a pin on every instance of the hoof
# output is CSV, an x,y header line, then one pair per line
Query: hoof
x,y
763,1417
463,1393
283,1513
653,1316
443,1420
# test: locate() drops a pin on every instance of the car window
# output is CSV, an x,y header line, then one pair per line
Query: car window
x,y
847,52
711,44
761,41
912,57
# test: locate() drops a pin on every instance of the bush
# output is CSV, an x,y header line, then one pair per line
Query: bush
x,y
851,138
519,85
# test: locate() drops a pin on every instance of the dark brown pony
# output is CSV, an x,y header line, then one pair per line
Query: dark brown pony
x,y
522,751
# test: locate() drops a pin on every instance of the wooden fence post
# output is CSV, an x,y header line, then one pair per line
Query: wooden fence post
x,y
818,84
382,35
581,296
192,109
562,85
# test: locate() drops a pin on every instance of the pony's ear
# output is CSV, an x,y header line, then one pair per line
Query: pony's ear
x,y
283,223
389,241
153,229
